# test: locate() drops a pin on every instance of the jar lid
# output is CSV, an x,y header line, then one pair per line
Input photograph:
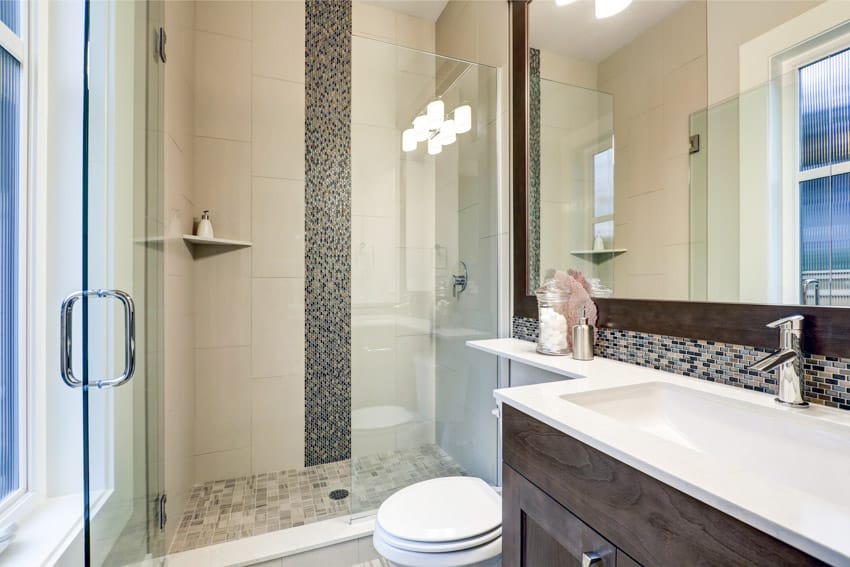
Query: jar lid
x,y
552,290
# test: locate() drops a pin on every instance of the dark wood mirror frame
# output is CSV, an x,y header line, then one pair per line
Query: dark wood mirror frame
x,y
827,330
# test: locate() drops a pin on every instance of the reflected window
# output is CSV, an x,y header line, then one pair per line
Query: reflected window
x,y
824,179
603,197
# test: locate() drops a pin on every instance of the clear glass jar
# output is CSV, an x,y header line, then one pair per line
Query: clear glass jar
x,y
552,320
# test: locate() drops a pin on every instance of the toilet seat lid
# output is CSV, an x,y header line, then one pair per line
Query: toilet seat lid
x,y
442,510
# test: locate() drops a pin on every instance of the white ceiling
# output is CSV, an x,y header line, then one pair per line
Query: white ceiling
x,y
574,30
425,9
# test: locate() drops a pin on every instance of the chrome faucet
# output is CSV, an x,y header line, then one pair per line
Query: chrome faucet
x,y
788,361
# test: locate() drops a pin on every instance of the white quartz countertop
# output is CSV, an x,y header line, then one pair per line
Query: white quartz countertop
x,y
808,513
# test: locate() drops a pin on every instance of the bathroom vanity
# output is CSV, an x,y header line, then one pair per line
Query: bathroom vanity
x,y
622,465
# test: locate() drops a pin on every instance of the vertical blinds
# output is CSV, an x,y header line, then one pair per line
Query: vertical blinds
x,y
825,111
10,73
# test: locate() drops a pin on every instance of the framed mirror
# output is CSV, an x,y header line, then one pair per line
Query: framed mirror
x,y
690,157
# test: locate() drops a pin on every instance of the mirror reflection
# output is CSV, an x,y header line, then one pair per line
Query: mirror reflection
x,y
692,150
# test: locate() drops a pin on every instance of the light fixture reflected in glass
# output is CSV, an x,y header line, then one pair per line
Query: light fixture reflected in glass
x,y
608,8
436,129
463,119
447,133
420,128
408,140
436,113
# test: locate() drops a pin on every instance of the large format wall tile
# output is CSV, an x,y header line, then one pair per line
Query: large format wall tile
x,y
277,116
278,40
277,326
222,400
277,227
222,86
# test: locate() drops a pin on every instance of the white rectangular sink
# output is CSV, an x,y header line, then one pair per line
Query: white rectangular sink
x,y
781,444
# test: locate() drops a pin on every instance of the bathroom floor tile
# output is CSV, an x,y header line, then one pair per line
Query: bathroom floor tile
x,y
224,510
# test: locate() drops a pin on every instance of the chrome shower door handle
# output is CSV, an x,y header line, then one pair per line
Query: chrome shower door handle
x,y
67,341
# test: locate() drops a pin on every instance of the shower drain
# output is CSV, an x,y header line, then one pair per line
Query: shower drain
x,y
338,494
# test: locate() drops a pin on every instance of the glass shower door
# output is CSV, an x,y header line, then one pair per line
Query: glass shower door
x,y
423,258
120,305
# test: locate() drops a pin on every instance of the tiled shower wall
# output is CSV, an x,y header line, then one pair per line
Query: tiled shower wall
x,y
827,377
247,153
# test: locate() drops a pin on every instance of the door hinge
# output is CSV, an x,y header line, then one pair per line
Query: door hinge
x,y
693,144
163,517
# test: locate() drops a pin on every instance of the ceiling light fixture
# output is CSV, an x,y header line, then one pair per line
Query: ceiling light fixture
x,y
604,8
608,8
437,129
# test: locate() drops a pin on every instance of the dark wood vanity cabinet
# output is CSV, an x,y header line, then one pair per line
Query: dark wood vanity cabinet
x,y
563,500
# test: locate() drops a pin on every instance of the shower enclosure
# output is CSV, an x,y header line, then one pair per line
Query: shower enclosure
x,y
212,415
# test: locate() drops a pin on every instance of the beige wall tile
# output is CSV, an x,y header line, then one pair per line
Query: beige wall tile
x,y
222,297
223,185
375,154
278,129
222,400
222,86
374,82
457,31
277,421
372,21
277,326
278,227
278,40
225,464
373,354
415,33
224,17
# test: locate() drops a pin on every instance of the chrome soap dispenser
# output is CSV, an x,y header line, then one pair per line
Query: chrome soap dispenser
x,y
583,338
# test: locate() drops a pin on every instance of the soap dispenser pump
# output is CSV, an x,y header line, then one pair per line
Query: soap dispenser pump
x,y
205,229
583,338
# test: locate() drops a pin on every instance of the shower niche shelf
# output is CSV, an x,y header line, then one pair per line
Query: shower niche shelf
x,y
201,241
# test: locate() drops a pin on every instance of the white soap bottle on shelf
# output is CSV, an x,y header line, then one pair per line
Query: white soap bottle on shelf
x,y
205,228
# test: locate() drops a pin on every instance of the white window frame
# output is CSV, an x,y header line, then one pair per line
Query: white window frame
x,y
18,46
785,73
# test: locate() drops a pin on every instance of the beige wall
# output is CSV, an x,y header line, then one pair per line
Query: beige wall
x,y
657,81
732,23
179,307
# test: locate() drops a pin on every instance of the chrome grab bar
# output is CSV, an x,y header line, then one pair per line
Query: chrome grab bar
x,y
66,338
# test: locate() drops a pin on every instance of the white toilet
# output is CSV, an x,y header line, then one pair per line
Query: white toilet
x,y
443,522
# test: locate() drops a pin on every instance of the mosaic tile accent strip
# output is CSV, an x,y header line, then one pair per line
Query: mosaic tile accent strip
x,y
827,377
327,234
225,510
534,169
525,329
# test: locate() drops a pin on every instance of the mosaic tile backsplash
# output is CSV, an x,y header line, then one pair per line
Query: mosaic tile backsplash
x,y
327,232
827,377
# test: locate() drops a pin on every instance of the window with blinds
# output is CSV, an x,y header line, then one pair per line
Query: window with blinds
x,y
824,180
11,55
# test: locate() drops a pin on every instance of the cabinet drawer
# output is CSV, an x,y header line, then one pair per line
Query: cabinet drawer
x,y
650,521
545,533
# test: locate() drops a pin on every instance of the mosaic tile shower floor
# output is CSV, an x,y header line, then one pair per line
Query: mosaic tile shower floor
x,y
225,510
